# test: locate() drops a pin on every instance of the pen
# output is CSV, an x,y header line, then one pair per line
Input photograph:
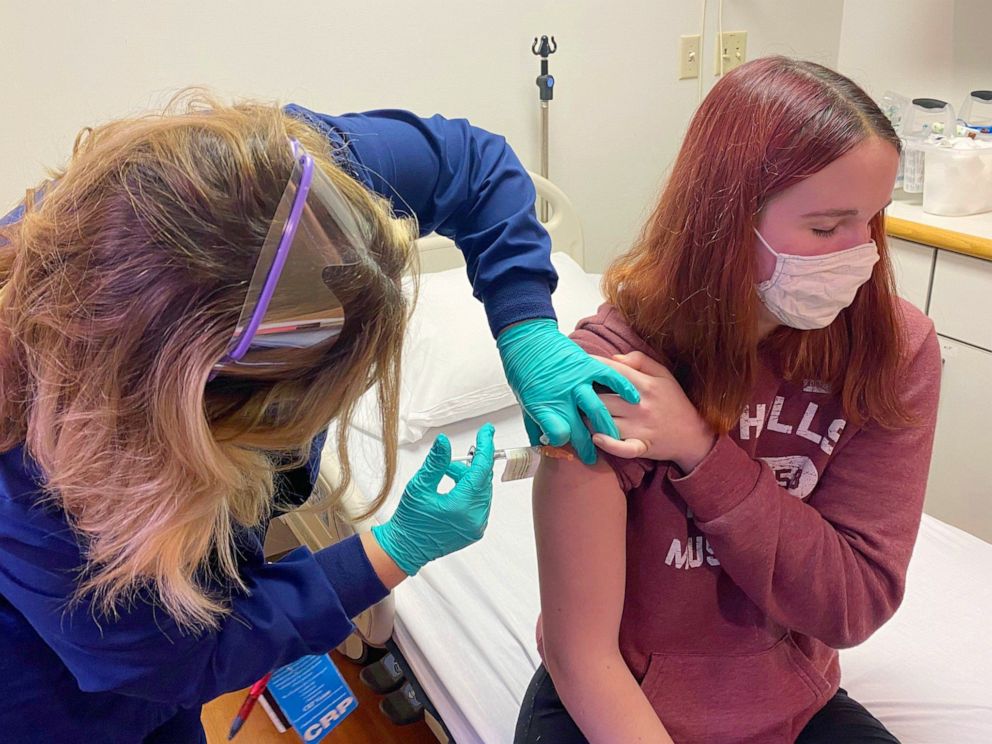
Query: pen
x,y
253,695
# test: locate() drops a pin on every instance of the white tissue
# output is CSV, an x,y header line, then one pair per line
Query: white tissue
x,y
958,178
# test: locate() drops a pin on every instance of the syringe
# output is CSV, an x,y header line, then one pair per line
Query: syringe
x,y
521,462
500,454
557,453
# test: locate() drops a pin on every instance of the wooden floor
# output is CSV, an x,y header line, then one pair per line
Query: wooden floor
x,y
366,725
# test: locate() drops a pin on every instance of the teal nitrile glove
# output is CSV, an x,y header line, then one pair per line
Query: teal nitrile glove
x,y
428,524
552,378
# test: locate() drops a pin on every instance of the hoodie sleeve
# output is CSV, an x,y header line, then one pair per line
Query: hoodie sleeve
x,y
833,568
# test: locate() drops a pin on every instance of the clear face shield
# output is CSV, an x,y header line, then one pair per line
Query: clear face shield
x,y
289,303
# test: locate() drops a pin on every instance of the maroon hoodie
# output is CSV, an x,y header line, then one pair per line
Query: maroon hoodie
x,y
788,541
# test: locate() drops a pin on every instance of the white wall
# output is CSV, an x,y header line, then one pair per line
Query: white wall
x,y
618,115
972,68
902,45
933,48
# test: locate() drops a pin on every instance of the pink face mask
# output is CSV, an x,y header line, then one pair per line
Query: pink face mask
x,y
808,292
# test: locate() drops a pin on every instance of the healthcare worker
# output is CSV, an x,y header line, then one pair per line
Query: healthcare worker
x,y
183,311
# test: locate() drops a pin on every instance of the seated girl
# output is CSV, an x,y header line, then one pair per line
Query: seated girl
x,y
760,511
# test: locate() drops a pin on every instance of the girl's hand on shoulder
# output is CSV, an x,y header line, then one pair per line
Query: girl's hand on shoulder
x,y
664,426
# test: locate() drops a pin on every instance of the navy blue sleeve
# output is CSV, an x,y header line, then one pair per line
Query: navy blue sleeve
x,y
464,183
14,215
294,486
293,607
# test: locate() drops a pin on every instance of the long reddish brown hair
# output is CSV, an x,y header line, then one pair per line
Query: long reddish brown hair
x,y
688,284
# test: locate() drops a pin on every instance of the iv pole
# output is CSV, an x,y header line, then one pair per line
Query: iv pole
x,y
546,91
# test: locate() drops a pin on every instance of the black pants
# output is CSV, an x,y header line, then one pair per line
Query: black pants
x,y
842,720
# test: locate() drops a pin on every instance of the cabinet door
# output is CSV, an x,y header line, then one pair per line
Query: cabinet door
x,y
960,488
961,298
912,264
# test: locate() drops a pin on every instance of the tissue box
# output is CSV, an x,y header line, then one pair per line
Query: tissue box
x,y
958,178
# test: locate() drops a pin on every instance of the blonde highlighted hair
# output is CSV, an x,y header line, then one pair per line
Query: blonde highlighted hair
x,y
121,288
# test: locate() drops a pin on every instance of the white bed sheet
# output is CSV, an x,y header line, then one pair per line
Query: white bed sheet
x,y
466,622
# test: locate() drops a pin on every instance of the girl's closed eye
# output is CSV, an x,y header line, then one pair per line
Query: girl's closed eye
x,y
824,233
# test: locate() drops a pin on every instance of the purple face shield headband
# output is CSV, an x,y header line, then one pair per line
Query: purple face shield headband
x,y
288,304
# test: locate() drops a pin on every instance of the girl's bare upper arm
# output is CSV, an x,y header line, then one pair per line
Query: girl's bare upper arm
x,y
580,517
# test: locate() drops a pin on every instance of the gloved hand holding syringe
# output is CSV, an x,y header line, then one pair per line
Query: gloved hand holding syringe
x,y
521,462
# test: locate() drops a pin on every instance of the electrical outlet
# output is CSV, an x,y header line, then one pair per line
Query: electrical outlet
x,y
733,48
689,57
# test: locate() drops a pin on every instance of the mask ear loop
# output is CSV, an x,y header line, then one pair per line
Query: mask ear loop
x,y
765,243
779,263
755,217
